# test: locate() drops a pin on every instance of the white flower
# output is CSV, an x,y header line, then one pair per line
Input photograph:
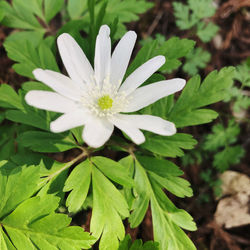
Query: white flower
x,y
96,98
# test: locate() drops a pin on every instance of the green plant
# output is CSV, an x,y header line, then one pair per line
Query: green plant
x,y
195,60
221,141
237,94
119,180
193,15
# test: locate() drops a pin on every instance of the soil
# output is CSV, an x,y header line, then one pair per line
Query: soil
x,y
231,48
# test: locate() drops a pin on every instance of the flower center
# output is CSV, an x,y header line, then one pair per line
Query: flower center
x,y
105,102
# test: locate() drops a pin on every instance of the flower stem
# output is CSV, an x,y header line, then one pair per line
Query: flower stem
x,y
66,166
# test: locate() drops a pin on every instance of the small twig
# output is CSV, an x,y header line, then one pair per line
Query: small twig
x,y
155,23
69,164
66,166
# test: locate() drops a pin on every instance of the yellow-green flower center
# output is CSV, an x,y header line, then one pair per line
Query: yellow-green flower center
x,y
105,102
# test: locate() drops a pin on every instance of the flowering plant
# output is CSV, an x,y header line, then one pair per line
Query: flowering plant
x,y
65,156
95,98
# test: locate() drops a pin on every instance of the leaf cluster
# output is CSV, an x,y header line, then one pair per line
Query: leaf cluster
x,y
37,34
196,59
31,222
192,15
222,143
239,94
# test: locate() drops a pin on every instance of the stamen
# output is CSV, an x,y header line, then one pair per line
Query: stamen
x,y
105,102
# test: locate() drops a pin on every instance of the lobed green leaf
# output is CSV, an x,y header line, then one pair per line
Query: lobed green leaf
x,y
170,146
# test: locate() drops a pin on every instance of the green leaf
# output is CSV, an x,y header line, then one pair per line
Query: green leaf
x,y
31,116
22,13
166,221
160,108
161,167
142,193
31,56
127,244
172,49
196,117
187,112
166,217
9,98
117,10
51,8
27,86
55,182
16,185
126,11
238,95
221,136
176,185
2,116
47,58
206,32
75,8
128,162
170,146
34,37
46,142
19,15
5,243
242,102
7,141
242,74
108,207
202,8
195,60
1,13
113,170
34,224
78,183
229,156
183,18
166,174
144,54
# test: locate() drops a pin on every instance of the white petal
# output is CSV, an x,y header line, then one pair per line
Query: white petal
x,y
69,120
141,74
128,127
120,57
74,60
49,101
151,123
151,93
59,82
102,54
97,131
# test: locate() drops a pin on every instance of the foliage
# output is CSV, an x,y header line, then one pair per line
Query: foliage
x,y
33,185
142,178
214,183
241,100
35,54
173,49
127,244
124,11
192,15
221,141
197,59
195,16
30,222
195,96
22,13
